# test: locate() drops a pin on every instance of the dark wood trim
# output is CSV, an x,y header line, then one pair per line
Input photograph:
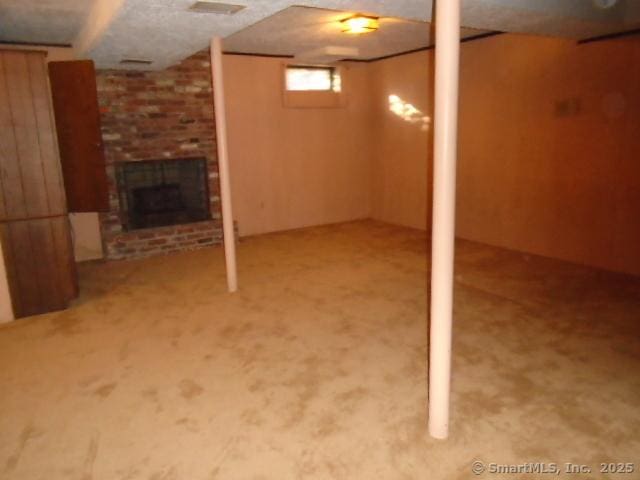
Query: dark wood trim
x,y
399,54
266,55
610,36
376,59
422,49
35,44
480,36
311,67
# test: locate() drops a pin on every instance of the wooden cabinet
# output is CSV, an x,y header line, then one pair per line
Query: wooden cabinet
x,y
34,227
75,106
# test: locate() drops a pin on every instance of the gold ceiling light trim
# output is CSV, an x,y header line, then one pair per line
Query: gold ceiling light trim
x,y
358,24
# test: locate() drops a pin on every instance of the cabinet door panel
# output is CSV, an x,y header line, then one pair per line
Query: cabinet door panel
x,y
65,261
34,227
75,104
40,265
47,136
25,292
25,130
13,201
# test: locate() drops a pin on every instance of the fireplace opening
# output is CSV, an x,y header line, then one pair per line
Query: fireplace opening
x,y
159,193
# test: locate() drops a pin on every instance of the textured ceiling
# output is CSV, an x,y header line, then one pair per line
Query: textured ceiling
x,y
301,29
166,31
42,21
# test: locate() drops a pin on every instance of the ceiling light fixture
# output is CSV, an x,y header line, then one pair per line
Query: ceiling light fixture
x,y
359,24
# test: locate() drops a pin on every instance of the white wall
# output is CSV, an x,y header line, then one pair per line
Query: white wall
x,y
401,169
85,231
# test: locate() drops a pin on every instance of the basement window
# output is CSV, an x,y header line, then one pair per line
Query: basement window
x,y
317,79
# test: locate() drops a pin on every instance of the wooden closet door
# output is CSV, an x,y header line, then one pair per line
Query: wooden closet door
x,y
34,227
40,264
30,163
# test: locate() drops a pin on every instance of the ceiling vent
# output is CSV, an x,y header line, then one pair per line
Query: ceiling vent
x,y
204,6
135,61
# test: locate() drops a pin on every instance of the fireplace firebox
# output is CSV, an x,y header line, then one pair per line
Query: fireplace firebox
x,y
156,193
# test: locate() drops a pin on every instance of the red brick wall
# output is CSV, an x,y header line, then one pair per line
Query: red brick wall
x,y
158,115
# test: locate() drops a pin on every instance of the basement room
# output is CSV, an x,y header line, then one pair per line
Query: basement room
x,y
332,239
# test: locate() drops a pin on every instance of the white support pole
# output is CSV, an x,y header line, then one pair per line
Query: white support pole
x,y
444,198
223,164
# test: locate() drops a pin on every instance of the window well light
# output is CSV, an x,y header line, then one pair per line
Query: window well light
x,y
359,24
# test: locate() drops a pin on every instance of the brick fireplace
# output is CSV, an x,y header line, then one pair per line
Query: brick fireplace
x,y
154,126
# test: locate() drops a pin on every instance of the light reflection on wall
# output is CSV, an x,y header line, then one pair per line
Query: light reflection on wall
x,y
409,113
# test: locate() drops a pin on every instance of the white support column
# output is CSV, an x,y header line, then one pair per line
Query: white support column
x,y
444,197
223,164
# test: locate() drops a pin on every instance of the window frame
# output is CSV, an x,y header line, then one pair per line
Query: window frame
x,y
315,99
332,77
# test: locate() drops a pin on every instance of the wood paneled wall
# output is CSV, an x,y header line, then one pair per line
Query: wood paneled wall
x,y
295,167
547,153
34,227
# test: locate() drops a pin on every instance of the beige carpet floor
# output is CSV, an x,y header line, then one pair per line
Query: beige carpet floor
x,y
316,368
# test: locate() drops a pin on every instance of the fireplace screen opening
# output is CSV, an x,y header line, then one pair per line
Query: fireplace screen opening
x,y
158,193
